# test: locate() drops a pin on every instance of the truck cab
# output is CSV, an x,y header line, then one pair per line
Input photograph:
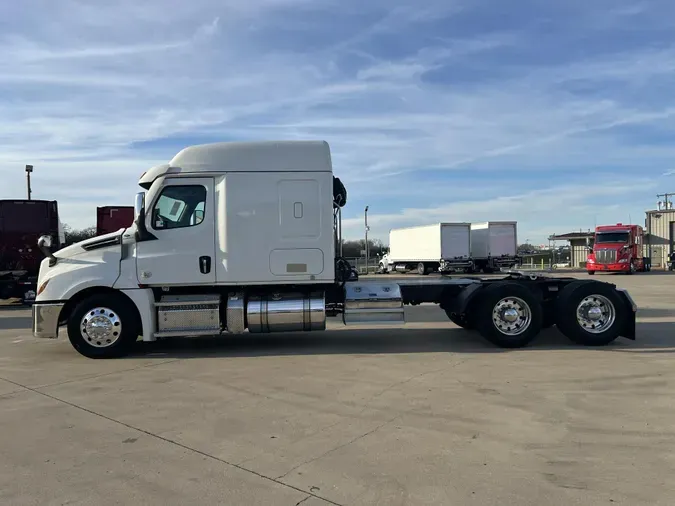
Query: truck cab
x,y
617,248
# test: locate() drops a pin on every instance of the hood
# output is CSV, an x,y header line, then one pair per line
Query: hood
x,y
113,239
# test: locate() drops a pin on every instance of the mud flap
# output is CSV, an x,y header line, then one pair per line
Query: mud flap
x,y
460,303
631,308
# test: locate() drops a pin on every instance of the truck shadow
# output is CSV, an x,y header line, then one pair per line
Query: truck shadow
x,y
652,337
655,312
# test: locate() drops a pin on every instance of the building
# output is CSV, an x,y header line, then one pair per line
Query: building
x,y
660,229
578,241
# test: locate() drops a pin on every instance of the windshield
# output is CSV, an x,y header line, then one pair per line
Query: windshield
x,y
605,237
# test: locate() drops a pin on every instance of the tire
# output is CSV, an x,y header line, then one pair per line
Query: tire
x,y
589,293
421,269
591,273
509,295
113,312
465,324
631,269
383,269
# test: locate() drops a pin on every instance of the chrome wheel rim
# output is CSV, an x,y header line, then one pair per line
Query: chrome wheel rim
x,y
101,327
595,314
512,316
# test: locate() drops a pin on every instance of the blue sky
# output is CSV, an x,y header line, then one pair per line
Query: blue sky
x,y
558,115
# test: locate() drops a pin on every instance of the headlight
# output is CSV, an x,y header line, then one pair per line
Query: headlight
x,y
623,260
590,261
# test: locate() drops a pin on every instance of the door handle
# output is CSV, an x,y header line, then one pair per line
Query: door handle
x,y
204,264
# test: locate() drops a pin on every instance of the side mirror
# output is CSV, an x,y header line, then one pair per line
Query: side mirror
x,y
45,244
139,205
142,233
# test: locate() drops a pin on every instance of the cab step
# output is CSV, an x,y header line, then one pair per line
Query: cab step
x,y
188,315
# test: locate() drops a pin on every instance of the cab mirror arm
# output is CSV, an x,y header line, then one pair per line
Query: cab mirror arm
x,y
142,232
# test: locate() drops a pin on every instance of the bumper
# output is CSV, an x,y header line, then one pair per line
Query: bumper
x,y
608,267
46,319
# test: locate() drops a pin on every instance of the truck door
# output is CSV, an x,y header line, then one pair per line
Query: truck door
x,y
182,218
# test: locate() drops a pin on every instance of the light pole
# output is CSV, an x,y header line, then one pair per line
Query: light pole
x,y
365,219
29,169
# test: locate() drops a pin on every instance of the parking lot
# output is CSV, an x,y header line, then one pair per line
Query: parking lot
x,y
425,414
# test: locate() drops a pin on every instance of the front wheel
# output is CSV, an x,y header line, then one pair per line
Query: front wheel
x,y
103,326
508,315
383,269
590,313
421,269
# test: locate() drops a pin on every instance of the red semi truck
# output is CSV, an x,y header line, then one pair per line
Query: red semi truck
x,y
618,248
112,218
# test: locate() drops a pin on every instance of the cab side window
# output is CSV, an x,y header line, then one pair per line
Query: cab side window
x,y
179,207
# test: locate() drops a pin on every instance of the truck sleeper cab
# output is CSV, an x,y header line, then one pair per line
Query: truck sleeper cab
x,y
236,237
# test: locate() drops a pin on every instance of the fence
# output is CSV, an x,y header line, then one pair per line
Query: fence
x,y
360,264
373,265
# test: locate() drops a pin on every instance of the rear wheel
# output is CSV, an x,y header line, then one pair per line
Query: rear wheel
x,y
589,313
460,322
508,315
103,326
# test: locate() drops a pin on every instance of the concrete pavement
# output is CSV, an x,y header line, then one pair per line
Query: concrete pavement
x,y
426,414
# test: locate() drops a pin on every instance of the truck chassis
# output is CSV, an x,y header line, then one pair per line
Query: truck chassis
x,y
508,312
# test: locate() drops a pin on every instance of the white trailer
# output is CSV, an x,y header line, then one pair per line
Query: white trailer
x,y
230,238
438,247
494,245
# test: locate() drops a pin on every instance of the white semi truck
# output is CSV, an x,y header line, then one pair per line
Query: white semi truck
x,y
242,237
494,245
440,247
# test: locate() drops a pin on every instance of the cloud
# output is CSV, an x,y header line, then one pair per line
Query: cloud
x,y
446,111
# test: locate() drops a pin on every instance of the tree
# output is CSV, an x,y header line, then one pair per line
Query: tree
x,y
353,249
527,249
72,235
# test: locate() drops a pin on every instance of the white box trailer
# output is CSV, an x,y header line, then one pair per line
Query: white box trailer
x,y
428,248
494,245
240,238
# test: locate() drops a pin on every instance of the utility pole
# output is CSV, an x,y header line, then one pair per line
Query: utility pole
x,y
365,218
29,169
665,199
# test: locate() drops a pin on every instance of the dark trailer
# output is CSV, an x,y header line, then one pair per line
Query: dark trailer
x,y
22,222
